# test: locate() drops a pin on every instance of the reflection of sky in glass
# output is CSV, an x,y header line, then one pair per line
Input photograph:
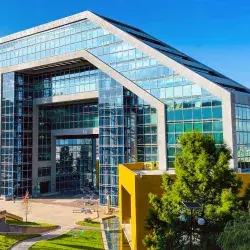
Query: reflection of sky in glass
x,y
242,115
115,235
75,168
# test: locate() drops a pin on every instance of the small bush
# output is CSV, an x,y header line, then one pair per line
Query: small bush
x,y
88,219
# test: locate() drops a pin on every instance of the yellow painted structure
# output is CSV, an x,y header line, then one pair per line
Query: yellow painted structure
x,y
135,184
245,182
133,199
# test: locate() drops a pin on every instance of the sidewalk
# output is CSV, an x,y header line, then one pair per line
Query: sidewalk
x,y
48,212
24,245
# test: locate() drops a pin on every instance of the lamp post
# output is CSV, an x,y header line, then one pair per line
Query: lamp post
x,y
200,221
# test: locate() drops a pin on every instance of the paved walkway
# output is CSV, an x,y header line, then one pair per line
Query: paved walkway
x,y
49,212
55,211
25,245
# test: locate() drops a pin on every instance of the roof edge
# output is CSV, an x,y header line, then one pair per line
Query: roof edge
x,y
45,27
163,59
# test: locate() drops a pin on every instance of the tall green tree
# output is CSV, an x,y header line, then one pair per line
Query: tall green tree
x,y
236,234
246,199
202,175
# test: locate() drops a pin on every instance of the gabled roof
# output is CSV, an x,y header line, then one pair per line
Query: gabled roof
x,y
166,55
179,57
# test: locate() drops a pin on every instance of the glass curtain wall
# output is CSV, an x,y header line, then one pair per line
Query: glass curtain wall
x,y
242,116
147,149
130,101
121,115
198,111
126,59
16,134
80,115
75,165
8,168
66,81
188,106
111,136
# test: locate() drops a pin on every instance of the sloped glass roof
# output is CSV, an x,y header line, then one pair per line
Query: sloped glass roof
x,y
179,57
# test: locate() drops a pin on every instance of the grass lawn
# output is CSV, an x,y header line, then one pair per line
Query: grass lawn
x,y
89,224
28,223
75,239
7,241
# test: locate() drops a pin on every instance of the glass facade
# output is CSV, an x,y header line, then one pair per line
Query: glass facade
x,y
8,169
127,131
16,134
85,34
115,236
147,149
65,81
75,164
111,133
127,124
242,117
198,111
123,57
80,115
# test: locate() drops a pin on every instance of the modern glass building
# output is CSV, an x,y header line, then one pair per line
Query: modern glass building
x,y
84,93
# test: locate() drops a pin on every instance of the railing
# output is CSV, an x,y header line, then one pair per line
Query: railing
x,y
142,165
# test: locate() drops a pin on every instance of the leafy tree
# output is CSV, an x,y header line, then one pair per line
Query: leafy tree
x,y
236,235
246,199
202,175
26,205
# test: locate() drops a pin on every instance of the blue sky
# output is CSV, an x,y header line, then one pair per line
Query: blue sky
x,y
215,32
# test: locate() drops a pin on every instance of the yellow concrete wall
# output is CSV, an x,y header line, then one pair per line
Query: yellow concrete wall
x,y
139,188
127,181
246,180
134,166
144,185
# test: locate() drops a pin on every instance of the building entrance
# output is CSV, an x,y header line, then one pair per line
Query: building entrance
x,y
44,187
76,165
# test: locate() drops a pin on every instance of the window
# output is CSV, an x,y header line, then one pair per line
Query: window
x,y
188,127
169,92
207,126
198,126
217,126
178,91
217,112
188,114
187,90
179,127
196,90
171,138
206,113
44,171
170,127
